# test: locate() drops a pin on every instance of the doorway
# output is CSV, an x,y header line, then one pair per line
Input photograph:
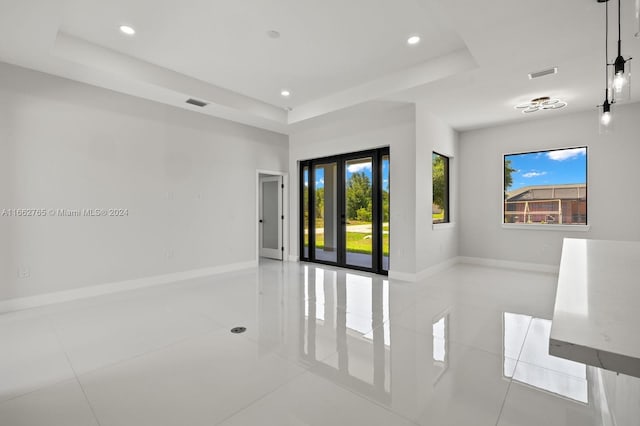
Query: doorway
x,y
271,217
344,213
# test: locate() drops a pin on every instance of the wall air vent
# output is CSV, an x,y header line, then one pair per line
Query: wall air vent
x,y
542,73
196,102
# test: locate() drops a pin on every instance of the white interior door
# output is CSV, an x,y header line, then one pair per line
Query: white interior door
x,y
271,217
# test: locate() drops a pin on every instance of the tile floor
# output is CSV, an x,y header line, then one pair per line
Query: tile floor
x,y
323,346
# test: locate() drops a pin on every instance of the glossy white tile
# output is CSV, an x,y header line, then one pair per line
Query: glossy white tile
x,y
31,357
122,328
447,384
311,400
323,346
199,381
63,404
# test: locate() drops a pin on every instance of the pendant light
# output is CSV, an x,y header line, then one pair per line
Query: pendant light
x,y
637,34
605,117
622,69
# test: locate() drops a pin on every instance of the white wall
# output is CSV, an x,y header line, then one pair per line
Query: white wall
x,y
435,244
613,175
372,126
187,180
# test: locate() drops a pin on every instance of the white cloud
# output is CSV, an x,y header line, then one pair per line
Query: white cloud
x,y
354,168
566,154
533,174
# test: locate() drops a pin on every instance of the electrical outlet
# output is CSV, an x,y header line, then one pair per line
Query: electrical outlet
x,y
24,272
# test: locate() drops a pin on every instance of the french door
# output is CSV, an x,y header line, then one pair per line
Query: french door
x,y
344,214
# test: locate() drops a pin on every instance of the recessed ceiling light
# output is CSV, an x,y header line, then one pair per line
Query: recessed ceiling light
x,y
285,93
273,34
127,30
413,40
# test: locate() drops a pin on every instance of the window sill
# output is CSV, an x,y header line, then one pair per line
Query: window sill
x,y
545,227
440,226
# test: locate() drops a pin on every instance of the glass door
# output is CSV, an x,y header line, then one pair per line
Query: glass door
x,y
358,217
344,211
325,211
384,199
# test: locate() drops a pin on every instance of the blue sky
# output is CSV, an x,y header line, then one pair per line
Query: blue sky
x,y
549,168
354,168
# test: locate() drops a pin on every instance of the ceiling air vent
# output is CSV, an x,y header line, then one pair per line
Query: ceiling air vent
x,y
196,102
542,73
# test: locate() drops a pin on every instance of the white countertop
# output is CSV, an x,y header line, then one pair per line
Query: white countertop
x,y
596,319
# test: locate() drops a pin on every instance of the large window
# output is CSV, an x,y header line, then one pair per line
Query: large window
x,y
546,187
440,177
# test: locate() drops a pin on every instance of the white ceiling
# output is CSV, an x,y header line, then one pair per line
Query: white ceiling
x,y
471,65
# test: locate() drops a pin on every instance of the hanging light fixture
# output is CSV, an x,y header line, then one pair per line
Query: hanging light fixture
x,y
622,69
605,117
637,34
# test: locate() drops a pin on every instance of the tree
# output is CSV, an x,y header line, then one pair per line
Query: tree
x,y
305,202
439,182
358,195
319,207
508,176
385,206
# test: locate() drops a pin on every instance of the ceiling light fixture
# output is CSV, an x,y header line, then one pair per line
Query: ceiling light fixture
x,y
541,103
126,29
285,93
605,119
413,40
621,77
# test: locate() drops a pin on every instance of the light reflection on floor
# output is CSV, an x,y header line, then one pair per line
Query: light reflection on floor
x,y
535,367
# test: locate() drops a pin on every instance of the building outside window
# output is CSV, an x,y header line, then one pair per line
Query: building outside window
x,y
546,187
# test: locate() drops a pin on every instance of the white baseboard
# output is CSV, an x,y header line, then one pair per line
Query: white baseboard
x,y
432,270
293,258
21,303
116,287
402,276
435,269
480,261
508,264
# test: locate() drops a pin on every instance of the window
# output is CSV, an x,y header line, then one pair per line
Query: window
x,y
546,187
440,173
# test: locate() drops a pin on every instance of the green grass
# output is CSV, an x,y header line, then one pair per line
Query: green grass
x,y
356,243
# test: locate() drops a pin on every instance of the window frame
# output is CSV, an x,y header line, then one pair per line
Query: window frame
x,y
447,177
540,226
